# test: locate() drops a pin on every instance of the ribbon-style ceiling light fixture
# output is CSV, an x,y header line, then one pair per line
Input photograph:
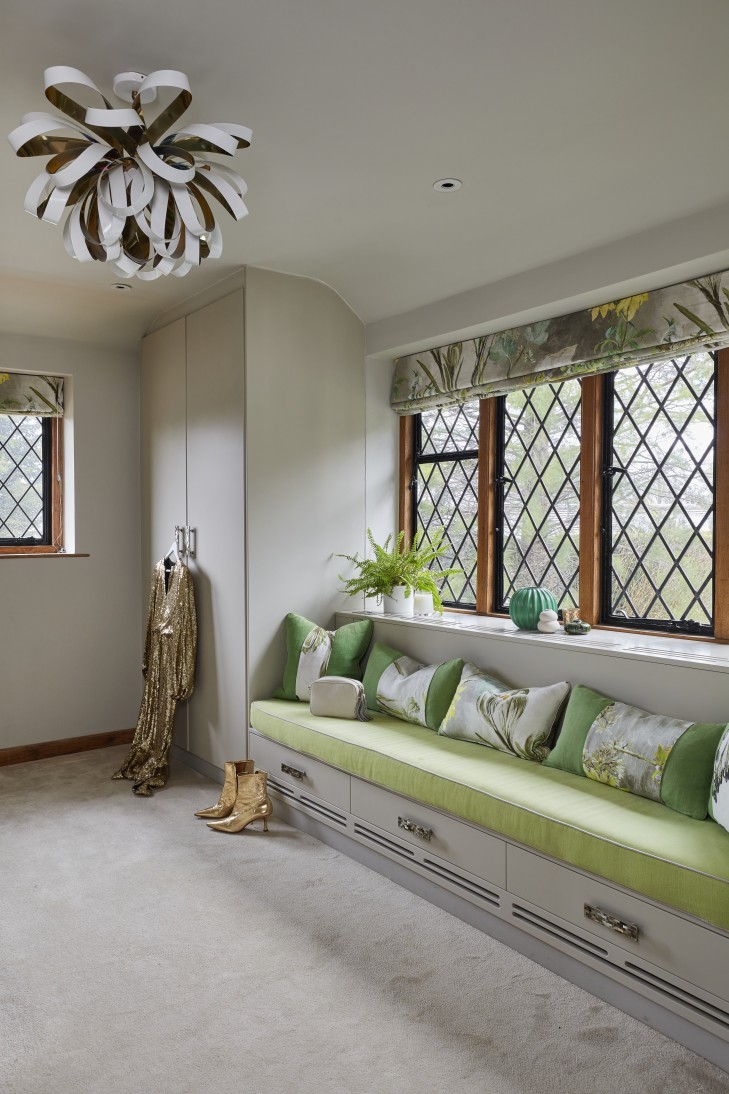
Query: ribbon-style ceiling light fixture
x,y
136,194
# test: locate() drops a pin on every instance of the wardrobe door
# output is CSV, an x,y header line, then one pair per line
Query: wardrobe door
x,y
215,493
164,471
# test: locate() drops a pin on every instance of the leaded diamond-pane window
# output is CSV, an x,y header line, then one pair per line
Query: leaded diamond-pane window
x,y
659,495
538,498
446,493
24,480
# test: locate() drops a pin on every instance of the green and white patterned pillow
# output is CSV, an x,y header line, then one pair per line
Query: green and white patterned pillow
x,y
651,755
719,796
313,652
486,711
397,685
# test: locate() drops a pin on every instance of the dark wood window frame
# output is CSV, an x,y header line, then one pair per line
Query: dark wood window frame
x,y
55,447
590,502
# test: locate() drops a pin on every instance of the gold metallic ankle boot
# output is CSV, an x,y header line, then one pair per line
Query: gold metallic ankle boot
x,y
230,788
252,803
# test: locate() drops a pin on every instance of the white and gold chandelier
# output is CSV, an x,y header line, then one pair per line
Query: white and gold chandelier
x,y
136,195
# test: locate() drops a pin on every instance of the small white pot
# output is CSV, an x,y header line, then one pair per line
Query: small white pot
x,y
398,603
374,604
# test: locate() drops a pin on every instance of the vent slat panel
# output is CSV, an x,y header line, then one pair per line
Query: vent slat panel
x,y
463,882
382,841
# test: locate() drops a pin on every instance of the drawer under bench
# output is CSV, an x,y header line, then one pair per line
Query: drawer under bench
x,y
677,961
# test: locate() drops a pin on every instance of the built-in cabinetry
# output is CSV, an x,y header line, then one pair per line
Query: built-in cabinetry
x,y
666,968
253,433
193,473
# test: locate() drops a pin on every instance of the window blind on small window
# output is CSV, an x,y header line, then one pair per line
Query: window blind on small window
x,y
22,393
635,330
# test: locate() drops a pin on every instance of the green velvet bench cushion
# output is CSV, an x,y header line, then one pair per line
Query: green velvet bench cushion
x,y
637,843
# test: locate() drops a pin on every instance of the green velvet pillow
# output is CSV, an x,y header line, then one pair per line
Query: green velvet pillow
x,y
312,652
397,685
488,712
647,754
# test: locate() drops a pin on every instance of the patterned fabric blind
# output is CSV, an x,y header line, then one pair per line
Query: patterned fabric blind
x,y
21,393
632,331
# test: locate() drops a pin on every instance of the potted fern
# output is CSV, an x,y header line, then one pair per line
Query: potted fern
x,y
394,572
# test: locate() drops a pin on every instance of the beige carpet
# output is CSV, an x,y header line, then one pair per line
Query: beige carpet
x,y
142,952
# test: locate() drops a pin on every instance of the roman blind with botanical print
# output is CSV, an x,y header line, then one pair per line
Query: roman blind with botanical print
x,y
22,393
632,331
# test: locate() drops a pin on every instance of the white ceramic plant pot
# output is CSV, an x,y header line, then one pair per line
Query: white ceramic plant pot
x,y
398,603
423,604
374,604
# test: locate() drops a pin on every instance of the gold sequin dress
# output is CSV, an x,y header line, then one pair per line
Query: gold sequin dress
x,y
169,672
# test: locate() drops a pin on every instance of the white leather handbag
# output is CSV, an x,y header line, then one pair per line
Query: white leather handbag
x,y
338,697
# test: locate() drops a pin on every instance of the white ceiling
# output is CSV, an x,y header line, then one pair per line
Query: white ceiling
x,y
573,123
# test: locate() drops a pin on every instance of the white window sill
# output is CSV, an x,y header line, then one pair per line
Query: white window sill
x,y
663,649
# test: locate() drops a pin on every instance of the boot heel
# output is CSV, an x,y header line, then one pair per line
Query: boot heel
x,y
265,824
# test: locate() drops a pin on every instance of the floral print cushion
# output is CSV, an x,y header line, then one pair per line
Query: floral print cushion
x,y
651,755
486,711
313,651
628,748
719,797
403,688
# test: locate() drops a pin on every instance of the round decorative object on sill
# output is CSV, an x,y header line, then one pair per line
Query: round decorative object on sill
x,y
526,605
400,601
576,626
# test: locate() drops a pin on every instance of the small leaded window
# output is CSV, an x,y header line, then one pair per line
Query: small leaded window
x,y
25,481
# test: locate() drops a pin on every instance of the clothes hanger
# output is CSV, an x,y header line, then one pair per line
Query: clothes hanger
x,y
170,560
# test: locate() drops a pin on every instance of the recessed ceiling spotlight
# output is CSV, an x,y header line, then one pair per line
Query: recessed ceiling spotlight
x,y
121,287
447,186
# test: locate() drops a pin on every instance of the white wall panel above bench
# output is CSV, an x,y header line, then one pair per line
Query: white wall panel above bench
x,y
681,678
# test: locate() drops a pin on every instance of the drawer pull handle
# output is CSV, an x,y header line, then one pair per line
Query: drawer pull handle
x,y
629,930
416,829
294,772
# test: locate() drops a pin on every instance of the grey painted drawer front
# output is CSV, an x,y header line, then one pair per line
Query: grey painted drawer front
x,y
453,840
301,772
697,954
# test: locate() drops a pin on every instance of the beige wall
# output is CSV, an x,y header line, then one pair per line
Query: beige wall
x,y
383,451
70,629
305,458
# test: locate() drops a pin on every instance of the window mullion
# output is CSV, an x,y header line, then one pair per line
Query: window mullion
x,y
591,460
407,484
721,499
488,409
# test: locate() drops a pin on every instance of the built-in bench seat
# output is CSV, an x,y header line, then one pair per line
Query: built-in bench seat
x,y
639,844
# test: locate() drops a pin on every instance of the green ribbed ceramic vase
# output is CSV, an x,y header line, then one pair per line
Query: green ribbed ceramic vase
x,y
526,604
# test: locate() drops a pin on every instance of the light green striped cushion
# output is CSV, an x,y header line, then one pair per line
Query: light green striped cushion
x,y
635,842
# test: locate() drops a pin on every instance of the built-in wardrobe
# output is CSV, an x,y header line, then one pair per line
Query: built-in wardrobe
x,y
253,436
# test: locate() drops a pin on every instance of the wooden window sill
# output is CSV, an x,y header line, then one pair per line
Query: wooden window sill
x,y
42,554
